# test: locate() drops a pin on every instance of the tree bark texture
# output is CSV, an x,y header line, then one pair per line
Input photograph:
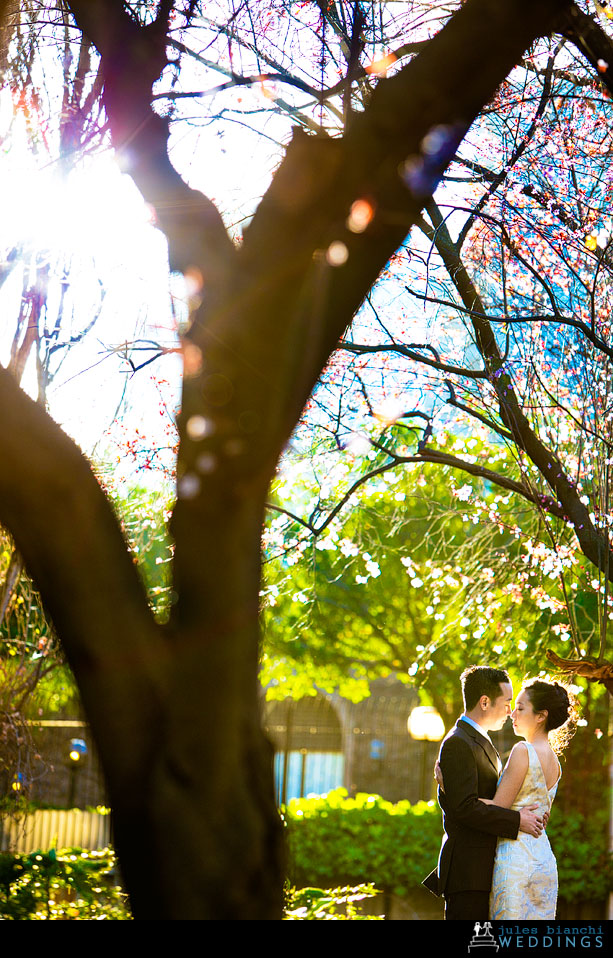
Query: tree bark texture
x,y
174,709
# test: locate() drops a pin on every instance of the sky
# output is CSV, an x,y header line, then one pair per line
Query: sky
x,y
92,228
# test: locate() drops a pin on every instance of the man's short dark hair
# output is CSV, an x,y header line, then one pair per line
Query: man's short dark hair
x,y
478,680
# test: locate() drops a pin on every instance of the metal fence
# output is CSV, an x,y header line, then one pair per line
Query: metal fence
x,y
53,828
324,741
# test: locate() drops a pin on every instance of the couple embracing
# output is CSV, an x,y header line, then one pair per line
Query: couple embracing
x,y
496,861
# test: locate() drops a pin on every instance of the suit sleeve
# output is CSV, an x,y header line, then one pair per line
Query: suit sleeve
x,y
461,797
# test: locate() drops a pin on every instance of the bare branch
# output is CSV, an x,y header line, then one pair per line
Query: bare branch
x,y
593,543
409,352
133,58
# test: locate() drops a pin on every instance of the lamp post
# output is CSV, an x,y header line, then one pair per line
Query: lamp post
x,y
17,785
76,753
425,725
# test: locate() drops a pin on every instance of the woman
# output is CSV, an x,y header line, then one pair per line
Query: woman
x,y
525,881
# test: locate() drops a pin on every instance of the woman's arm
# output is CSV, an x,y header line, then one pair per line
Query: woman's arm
x,y
460,798
512,778
506,793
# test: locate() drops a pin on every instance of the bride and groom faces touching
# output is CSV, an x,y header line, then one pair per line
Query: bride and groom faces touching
x,y
495,860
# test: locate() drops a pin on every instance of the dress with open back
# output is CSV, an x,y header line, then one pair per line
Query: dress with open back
x,y
525,880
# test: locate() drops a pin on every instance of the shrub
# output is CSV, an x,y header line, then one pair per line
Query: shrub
x,y
332,904
345,846
59,886
581,847
335,840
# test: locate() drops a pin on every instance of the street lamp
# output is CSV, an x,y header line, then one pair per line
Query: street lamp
x,y
17,784
76,753
425,725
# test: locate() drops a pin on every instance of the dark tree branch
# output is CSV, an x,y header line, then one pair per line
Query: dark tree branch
x,y
355,73
559,319
409,351
133,58
545,201
594,544
67,533
439,90
544,502
591,40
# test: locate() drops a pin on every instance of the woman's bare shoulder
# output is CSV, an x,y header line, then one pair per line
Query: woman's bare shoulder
x,y
518,759
513,776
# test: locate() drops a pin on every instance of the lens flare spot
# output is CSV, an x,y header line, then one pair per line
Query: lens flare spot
x,y
337,253
268,91
198,427
206,463
194,281
380,67
390,411
360,217
358,445
188,486
151,214
192,359
234,447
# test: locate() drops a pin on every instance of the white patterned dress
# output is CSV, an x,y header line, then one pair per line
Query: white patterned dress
x,y
525,880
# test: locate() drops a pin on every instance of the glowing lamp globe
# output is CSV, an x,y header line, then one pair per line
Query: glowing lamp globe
x,y
425,724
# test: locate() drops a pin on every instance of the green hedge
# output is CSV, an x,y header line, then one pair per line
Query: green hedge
x,y
336,840
333,841
585,865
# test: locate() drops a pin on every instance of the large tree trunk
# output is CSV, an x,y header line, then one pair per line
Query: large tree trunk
x,y
201,836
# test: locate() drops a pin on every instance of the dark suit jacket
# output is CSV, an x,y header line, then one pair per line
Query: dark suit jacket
x,y
470,771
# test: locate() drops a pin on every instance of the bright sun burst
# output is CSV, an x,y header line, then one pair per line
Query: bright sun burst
x,y
91,233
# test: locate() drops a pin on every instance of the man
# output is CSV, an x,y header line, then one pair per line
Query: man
x,y
470,768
